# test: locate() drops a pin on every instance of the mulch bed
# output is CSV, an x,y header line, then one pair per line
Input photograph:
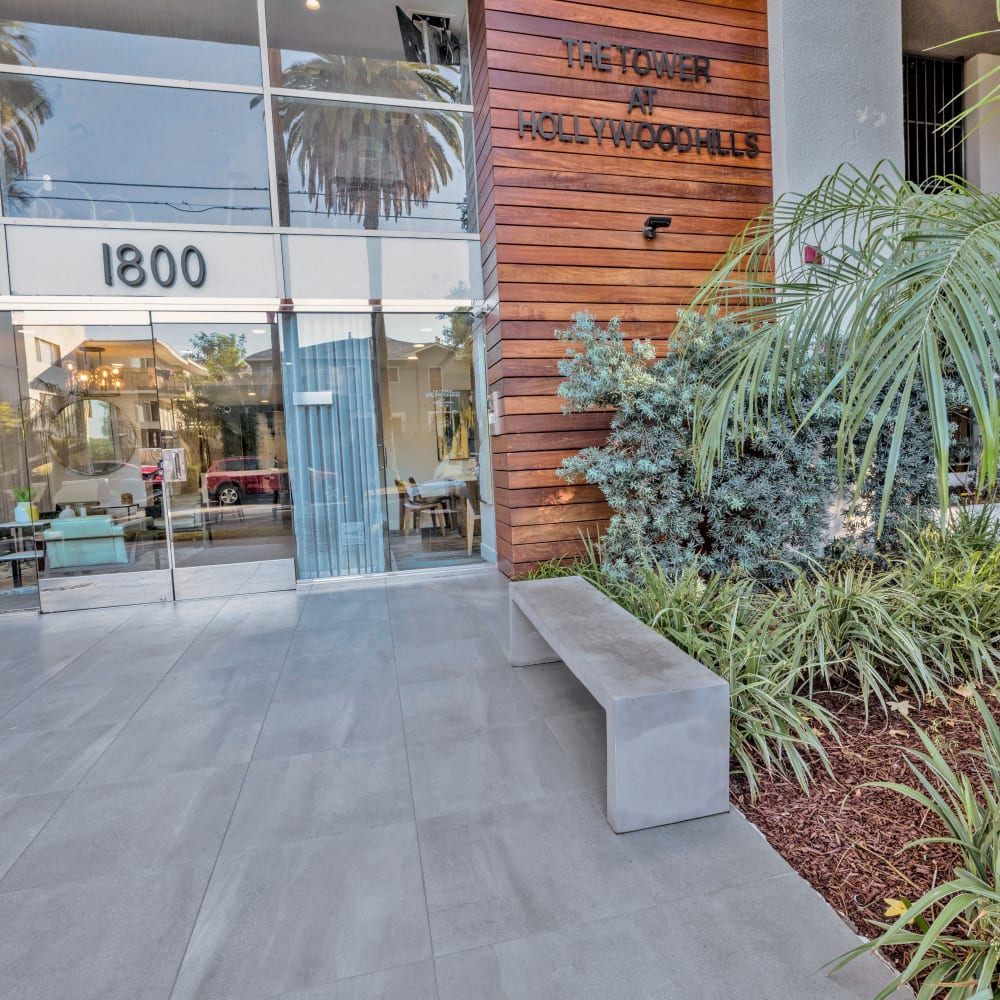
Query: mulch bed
x,y
846,840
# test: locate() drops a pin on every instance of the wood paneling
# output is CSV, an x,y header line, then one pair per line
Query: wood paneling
x,y
561,222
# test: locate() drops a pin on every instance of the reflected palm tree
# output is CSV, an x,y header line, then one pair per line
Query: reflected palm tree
x,y
24,108
364,161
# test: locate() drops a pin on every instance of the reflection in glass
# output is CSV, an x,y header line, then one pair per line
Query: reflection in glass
x,y
124,153
233,514
94,475
372,49
178,39
18,576
431,436
365,167
92,437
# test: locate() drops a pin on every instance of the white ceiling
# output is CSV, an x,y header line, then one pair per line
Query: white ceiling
x,y
928,23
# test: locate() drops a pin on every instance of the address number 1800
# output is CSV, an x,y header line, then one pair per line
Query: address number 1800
x,y
125,264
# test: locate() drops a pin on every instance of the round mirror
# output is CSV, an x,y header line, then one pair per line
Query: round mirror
x,y
92,437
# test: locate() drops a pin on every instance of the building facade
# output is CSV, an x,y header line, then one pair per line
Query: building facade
x,y
281,277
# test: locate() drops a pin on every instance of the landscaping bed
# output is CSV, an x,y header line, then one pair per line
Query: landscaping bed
x,y
847,840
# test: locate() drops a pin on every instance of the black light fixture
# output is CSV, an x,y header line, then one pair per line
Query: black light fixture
x,y
653,223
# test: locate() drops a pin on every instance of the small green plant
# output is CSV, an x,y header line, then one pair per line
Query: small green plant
x,y
954,929
24,494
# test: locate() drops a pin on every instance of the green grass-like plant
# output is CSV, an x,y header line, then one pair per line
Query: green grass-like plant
x,y
954,929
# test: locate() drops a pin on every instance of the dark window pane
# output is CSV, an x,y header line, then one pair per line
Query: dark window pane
x,y
181,39
107,151
364,167
371,49
931,96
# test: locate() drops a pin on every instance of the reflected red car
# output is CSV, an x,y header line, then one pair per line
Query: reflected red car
x,y
230,481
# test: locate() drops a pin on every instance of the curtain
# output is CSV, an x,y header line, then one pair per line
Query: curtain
x,y
333,444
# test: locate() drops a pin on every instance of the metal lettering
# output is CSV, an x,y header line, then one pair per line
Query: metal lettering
x,y
552,131
665,146
648,56
649,142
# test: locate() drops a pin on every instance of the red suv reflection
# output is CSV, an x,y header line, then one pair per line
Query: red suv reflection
x,y
230,480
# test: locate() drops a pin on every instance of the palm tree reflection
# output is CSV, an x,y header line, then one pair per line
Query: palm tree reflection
x,y
363,161
24,108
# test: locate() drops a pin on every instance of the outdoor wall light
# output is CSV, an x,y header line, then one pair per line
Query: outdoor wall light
x,y
653,223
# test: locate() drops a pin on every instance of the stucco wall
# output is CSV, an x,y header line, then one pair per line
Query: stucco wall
x,y
836,87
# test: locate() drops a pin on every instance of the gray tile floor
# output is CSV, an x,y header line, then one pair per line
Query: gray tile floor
x,y
348,794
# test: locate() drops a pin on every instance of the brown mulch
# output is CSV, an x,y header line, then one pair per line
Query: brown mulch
x,y
847,841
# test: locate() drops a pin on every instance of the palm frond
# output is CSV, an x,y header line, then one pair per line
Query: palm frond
x,y
906,286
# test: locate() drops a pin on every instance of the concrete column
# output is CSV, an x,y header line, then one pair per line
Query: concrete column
x,y
836,88
982,165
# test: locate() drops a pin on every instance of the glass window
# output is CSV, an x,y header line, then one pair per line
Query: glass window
x,y
375,49
20,537
362,167
432,438
106,151
215,42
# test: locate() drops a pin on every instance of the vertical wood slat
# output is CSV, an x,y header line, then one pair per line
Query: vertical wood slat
x,y
561,223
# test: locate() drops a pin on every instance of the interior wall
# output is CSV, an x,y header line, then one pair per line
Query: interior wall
x,y
562,219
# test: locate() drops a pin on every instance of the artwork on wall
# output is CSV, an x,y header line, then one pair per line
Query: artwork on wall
x,y
454,424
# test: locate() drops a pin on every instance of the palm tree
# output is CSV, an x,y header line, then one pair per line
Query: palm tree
x,y
24,108
904,288
368,161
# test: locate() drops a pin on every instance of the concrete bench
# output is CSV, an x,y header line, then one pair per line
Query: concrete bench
x,y
667,715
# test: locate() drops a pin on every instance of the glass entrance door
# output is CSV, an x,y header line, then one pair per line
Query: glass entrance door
x,y
103,395
90,404
221,404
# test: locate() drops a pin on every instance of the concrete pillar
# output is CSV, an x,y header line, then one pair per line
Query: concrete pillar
x,y
836,88
982,165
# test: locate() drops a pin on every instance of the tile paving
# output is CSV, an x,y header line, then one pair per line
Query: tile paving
x,y
346,793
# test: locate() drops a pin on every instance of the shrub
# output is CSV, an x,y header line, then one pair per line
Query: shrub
x,y
768,500
954,928
954,580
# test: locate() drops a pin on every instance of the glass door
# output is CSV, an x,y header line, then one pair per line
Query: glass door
x,y
221,406
89,399
104,394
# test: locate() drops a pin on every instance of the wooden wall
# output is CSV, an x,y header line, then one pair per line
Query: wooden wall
x,y
561,222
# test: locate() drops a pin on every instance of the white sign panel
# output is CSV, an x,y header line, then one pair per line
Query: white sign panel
x,y
383,268
52,260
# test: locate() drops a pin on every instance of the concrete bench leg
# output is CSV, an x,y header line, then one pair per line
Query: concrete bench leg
x,y
668,758
527,647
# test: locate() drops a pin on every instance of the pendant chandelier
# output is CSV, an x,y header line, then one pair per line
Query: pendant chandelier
x,y
91,375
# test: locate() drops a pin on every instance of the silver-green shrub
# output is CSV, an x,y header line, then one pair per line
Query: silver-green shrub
x,y
768,501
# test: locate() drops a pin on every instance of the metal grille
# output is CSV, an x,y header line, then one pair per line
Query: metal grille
x,y
930,89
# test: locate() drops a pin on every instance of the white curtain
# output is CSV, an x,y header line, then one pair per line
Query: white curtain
x,y
330,406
